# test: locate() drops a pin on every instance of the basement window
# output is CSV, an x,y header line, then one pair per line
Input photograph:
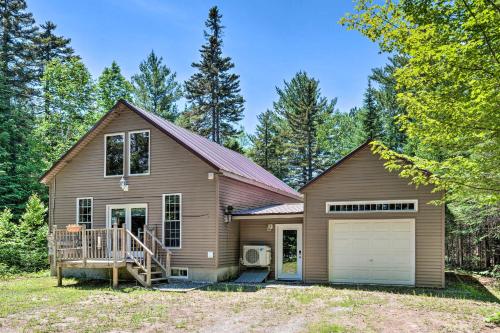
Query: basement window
x,y
388,206
178,273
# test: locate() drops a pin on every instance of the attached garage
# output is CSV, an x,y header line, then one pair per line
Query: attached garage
x,y
372,251
364,224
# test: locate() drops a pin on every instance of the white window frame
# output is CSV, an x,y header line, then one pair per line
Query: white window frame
x,y
91,211
149,153
163,220
179,277
105,153
369,202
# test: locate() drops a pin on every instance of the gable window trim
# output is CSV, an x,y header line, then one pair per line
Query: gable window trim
x,y
106,153
163,220
129,153
77,219
396,202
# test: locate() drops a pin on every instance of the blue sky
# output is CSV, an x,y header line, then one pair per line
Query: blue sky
x,y
269,41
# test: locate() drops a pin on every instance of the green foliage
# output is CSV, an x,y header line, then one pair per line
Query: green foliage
x,y
387,105
268,147
112,86
156,88
494,318
23,246
303,107
448,87
339,134
213,92
372,122
71,93
17,48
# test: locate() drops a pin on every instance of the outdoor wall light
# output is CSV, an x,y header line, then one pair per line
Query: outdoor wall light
x,y
270,227
228,214
123,184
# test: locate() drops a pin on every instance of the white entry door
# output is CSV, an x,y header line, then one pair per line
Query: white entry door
x,y
133,217
372,251
289,251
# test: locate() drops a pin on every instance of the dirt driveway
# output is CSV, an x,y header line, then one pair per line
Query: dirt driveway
x,y
35,304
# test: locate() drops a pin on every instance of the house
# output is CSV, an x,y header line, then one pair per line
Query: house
x,y
140,195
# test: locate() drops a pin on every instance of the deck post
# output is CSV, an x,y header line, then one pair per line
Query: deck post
x,y
148,269
59,275
54,249
84,245
115,244
124,242
115,277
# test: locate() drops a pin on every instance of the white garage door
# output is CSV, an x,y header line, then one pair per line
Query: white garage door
x,y
372,251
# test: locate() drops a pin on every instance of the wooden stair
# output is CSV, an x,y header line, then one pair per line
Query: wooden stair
x,y
157,274
149,262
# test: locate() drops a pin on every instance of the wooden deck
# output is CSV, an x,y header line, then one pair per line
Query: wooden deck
x,y
110,248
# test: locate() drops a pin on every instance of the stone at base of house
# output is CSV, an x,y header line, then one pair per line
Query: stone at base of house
x,y
194,274
212,274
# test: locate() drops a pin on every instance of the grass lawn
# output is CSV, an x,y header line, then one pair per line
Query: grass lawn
x,y
35,304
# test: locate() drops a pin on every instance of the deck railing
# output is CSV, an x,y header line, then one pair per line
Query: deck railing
x,y
81,244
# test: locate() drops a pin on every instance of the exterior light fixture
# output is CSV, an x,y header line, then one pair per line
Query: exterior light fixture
x,y
228,214
123,184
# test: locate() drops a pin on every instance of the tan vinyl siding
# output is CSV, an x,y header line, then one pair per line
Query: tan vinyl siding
x,y
241,196
254,232
363,177
173,170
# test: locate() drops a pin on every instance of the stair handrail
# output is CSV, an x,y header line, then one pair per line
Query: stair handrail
x,y
139,261
159,244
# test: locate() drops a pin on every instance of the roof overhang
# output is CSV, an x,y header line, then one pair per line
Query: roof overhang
x,y
259,184
267,216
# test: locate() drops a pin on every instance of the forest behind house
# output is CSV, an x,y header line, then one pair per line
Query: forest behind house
x,y
432,112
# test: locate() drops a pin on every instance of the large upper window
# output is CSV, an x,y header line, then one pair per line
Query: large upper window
x,y
138,152
114,151
172,215
84,212
372,206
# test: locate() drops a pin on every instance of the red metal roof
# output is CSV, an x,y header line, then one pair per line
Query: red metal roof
x,y
287,208
225,160
217,155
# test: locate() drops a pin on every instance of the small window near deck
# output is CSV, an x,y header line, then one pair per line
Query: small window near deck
x,y
172,210
84,212
139,152
179,273
114,148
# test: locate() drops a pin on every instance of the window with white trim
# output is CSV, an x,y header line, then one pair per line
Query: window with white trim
x,y
84,207
138,152
372,206
178,273
114,148
172,219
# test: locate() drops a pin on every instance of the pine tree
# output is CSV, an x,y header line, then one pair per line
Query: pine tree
x,y
48,47
213,93
70,91
111,87
389,108
371,121
268,145
17,48
301,104
156,88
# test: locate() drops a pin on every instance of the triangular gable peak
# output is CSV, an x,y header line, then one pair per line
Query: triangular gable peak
x,y
224,160
336,165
